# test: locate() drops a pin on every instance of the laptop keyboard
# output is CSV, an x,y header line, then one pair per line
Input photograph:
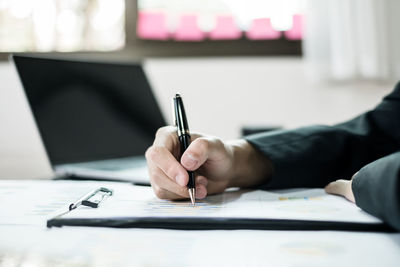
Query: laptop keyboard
x,y
114,165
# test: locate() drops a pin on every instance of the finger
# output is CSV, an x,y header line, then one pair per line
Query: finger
x,y
335,187
201,191
341,188
165,188
163,159
166,136
199,151
201,186
165,194
201,180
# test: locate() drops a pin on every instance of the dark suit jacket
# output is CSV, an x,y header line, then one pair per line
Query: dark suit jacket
x,y
314,156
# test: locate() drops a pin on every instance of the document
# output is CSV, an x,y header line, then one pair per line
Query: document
x,y
28,202
294,204
36,202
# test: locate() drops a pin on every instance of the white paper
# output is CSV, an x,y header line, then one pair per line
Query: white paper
x,y
296,204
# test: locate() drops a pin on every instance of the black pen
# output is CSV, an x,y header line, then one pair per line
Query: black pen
x,y
184,139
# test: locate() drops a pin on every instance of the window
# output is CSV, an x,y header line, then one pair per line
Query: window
x,y
194,21
145,28
61,25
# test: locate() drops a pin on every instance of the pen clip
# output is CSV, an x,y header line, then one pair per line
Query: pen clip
x,y
92,199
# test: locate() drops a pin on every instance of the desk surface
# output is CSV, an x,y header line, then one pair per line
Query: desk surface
x,y
26,241
35,246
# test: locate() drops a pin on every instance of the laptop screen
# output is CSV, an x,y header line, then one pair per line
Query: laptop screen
x,y
88,111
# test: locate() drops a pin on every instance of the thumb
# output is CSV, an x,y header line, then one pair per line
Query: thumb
x,y
199,151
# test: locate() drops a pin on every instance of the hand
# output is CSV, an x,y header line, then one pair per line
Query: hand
x,y
217,165
341,188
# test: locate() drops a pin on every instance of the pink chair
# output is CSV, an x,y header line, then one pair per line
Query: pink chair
x,y
152,25
296,32
261,29
226,29
188,30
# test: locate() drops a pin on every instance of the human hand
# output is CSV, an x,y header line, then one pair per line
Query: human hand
x,y
341,188
217,165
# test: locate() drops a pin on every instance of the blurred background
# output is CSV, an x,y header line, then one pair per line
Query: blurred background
x,y
239,64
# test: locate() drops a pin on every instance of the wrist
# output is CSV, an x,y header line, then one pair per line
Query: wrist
x,y
250,167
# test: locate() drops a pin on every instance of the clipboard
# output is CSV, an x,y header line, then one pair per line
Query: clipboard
x,y
91,199
111,213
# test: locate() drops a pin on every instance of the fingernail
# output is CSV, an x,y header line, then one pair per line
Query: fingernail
x,y
180,179
190,161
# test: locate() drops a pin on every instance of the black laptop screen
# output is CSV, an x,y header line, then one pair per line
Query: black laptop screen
x,y
90,111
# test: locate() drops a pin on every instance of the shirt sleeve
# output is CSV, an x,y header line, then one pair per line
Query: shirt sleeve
x,y
376,189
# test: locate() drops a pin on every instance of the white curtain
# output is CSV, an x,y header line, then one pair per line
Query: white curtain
x,y
353,39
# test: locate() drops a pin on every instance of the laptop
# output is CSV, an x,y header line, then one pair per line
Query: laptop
x,y
95,119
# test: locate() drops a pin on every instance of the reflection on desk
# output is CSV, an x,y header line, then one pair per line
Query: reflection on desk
x,y
139,247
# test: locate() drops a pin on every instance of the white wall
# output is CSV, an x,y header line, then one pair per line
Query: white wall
x,y
220,94
21,151
223,94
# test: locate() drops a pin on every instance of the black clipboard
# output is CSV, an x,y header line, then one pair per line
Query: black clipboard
x,y
176,223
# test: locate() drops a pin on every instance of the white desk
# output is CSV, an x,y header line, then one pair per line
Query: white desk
x,y
139,247
35,245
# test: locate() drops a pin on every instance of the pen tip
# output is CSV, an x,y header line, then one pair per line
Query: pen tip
x,y
192,194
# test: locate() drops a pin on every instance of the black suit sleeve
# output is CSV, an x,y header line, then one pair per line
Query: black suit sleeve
x,y
376,188
314,156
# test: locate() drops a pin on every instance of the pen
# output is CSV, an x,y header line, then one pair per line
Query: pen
x,y
184,139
